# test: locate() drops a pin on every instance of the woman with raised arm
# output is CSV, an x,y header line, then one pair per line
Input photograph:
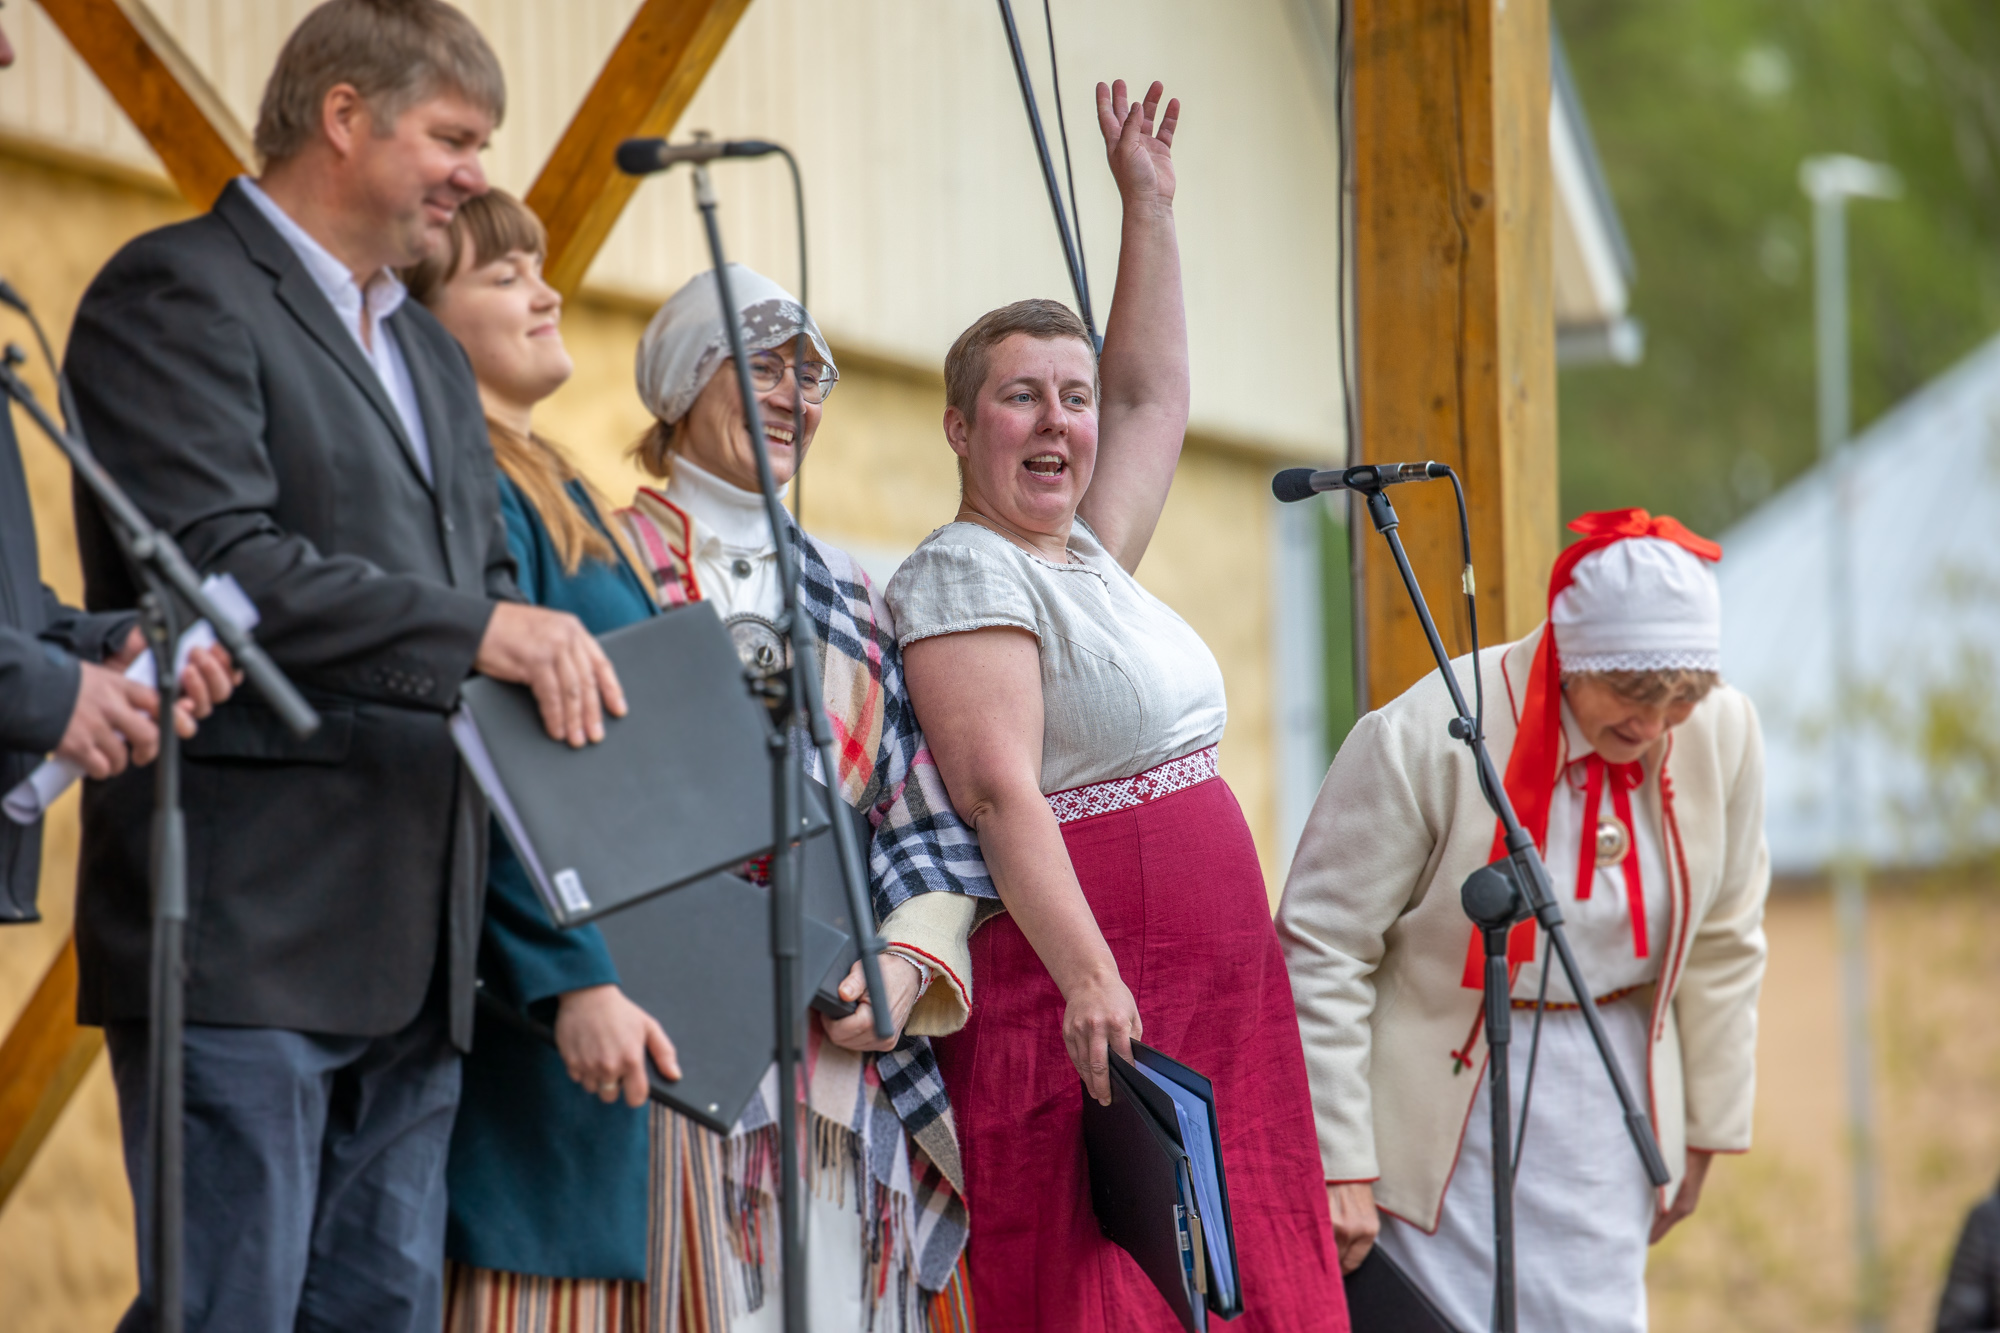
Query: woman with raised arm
x,y
1075,719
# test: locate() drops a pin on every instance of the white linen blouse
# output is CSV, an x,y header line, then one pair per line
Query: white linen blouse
x,y
1126,684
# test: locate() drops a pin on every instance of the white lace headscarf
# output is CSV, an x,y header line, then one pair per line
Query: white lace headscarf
x,y
687,341
1644,604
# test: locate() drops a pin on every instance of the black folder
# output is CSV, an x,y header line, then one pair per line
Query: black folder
x,y
1382,1299
1143,1190
699,961
679,788
825,894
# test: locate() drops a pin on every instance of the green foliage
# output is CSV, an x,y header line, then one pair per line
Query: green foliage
x,y
1337,589
1702,111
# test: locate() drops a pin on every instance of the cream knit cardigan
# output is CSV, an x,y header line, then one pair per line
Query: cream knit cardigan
x,y
1376,940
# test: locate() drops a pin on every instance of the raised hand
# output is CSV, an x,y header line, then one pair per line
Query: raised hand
x,y
1139,141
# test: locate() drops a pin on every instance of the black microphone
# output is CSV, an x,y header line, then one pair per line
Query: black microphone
x,y
1302,483
643,157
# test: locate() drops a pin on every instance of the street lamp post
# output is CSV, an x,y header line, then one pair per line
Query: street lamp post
x,y
1830,182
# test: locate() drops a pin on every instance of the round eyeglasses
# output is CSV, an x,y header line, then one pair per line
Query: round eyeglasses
x,y
816,378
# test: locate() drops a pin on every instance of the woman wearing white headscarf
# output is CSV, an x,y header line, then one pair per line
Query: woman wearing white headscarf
x,y
705,536
1640,776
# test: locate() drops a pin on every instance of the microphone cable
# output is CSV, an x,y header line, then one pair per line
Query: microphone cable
x,y
1069,170
1072,241
801,343
1479,731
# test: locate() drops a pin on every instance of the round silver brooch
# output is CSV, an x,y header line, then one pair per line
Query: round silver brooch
x,y
1613,840
759,646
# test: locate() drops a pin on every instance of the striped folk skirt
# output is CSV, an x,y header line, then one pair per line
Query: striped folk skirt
x,y
480,1300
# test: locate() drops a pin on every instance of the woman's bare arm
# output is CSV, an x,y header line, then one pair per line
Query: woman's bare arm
x,y
978,697
1143,415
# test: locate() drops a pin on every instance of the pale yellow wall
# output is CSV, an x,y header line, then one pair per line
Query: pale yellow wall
x,y
925,202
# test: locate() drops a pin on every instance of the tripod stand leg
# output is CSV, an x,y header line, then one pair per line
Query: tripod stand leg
x,y
1499,1040
166,1089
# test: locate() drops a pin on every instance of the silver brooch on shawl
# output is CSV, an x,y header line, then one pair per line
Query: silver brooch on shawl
x,y
761,648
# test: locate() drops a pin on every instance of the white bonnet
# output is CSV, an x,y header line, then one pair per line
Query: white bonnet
x,y
1643,604
686,340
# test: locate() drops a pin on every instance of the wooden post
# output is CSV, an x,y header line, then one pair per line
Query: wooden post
x,y
650,78
184,119
1454,313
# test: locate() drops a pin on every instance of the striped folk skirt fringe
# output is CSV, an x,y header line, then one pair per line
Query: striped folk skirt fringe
x,y
714,1236
481,1300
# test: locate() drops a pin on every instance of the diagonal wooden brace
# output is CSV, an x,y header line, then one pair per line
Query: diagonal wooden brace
x,y
650,78
41,1063
182,117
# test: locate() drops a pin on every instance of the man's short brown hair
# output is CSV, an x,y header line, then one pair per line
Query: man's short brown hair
x,y
395,53
965,365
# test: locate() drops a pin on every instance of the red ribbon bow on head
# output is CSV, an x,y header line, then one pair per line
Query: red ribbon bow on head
x,y
1531,768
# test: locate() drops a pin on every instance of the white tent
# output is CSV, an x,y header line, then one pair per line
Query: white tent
x,y
1926,562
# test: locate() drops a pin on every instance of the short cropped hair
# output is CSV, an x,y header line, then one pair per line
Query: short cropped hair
x,y
1667,685
965,365
395,53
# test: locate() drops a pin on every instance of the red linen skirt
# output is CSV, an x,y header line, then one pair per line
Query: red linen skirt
x,y
1176,888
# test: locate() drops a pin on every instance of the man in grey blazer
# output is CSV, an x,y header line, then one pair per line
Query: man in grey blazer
x,y
255,379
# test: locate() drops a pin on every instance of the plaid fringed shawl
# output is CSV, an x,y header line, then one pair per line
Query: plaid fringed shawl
x,y
715,1208
919,846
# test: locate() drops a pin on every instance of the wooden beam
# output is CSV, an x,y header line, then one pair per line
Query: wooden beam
x,y
650,78
41,1063
1454,312
167,99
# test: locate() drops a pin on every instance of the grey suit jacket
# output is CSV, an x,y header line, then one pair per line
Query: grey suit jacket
x,y
40,642
328,877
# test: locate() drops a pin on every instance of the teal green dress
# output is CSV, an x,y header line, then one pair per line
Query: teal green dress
x,y
544,1178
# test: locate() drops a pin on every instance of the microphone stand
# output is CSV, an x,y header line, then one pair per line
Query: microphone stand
x,y
1495,897
788,694
170,583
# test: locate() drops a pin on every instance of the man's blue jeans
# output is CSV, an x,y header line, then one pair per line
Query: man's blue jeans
x,y
315,1177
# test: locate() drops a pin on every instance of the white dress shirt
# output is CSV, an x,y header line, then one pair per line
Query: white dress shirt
x,y
363,312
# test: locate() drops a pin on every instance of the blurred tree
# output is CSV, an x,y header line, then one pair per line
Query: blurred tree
x,y
1702,111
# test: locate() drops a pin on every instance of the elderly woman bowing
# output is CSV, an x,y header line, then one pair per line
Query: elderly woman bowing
x,y
1640,776
1075,719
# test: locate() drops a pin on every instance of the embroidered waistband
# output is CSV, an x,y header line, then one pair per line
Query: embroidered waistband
x,y
1602,1000
1102,798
